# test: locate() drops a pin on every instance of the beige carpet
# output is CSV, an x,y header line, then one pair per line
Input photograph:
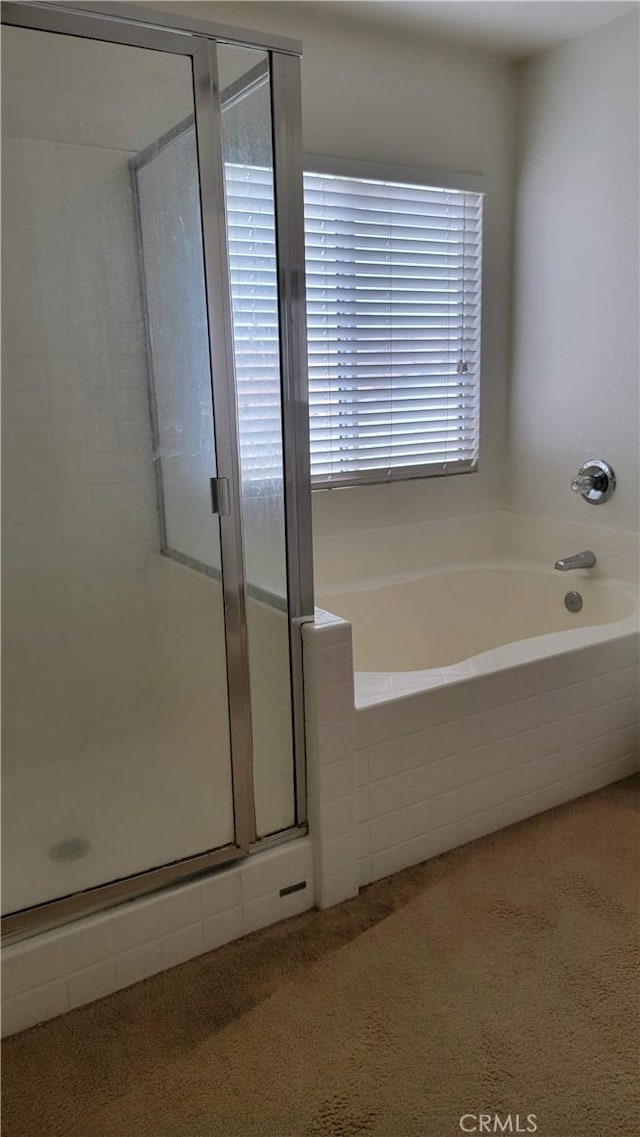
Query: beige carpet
x,y
499,977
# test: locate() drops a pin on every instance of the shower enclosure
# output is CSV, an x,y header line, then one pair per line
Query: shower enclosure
x,y
156,506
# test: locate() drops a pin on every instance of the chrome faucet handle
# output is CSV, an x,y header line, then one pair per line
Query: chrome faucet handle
x,y
595,480
583,483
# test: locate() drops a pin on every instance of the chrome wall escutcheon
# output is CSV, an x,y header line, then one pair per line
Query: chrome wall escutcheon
x,y
595,481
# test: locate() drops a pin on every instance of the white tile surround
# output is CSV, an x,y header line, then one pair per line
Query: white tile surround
x,y
329,710
350,557
51,973
398,782
440,768
539,538
401,780
391,784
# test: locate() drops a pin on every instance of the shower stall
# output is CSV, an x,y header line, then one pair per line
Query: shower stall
x,y
156,503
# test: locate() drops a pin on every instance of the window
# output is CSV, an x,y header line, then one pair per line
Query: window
x,y
393,301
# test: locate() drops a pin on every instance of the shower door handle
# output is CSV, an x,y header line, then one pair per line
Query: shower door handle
x,y
220,496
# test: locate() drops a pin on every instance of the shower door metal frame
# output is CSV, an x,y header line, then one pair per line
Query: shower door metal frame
x,y
129,25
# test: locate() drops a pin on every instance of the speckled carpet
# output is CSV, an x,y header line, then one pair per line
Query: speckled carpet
x,y
498,978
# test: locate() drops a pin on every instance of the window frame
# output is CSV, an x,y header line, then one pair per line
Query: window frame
x,y
429,179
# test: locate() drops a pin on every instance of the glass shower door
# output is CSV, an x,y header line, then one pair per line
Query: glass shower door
x,y
167,208
117,614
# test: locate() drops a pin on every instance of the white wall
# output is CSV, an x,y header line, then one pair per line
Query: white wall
x,y
369,95
575,363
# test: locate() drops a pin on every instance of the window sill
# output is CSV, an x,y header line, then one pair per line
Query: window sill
x,y
402,474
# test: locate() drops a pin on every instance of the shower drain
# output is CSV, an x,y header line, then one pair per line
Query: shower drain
x,y
70,850
573,601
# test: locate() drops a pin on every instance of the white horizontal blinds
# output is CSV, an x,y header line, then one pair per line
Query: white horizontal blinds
x,y
393,302
254,298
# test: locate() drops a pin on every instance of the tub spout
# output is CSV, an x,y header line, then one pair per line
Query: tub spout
x,y
584,560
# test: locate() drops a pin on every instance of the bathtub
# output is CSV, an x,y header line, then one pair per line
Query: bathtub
x,y
447,703
416,631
